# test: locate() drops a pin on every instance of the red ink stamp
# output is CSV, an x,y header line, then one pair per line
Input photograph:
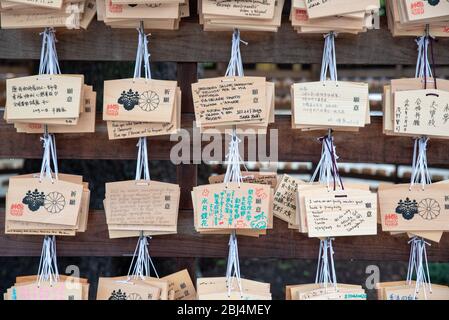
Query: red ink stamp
x,y
260,193
16,209
240,224
417,8
112,110
35,126
115,8
301,15
391,220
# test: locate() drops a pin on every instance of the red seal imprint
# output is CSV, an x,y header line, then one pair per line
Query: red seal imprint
x,y
16,209
261,194
240,224
301,15
112,110
391,220
35,126
417,8
115,8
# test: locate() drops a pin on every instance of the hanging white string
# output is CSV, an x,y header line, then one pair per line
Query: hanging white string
x,y
327,168
329,60
142,57
233,170
141,263
420,171
49,157
234,161
326,274
233,265
49,63
142,160
48,267
423,67
235,65
418,265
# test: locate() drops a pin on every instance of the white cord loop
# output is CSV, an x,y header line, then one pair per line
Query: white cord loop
x,y
142,55
49,58
326,274
235,66
418,265
49,157
327,168
233,171
142,160
141,264
329,61
420,171
48,267
233,266
48,65
423,66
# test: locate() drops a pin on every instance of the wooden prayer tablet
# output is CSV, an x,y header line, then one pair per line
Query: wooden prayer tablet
x,y
411,18
284,201
414,209
220,103
349,223
405,290
162,15
268,178
128,288
246,16
330,104
84,124
58,207
21,14
412,110
321,292
141,205
66,288
232,206
62,102
216,289
340,16
181,286
135,108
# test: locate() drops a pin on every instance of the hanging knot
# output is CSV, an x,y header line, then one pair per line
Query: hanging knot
x,y
326,274
48,266
329,60
142,160
141,263
420,170
418,265
327,168
49,157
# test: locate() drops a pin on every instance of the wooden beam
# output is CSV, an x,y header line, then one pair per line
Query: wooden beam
x,y
369,145
280,242
191,44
